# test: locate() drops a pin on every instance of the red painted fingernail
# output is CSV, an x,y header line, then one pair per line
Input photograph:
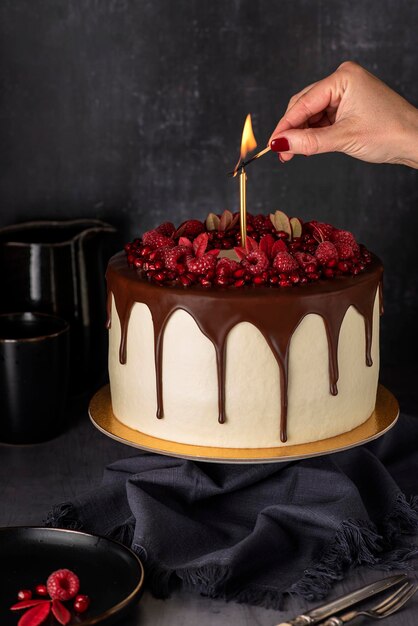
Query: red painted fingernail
x,y
280,145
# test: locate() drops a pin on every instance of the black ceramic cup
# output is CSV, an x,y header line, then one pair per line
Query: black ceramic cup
x,y
34,353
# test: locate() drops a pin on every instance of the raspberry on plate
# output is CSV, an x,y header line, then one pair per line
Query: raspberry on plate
x,y
63,585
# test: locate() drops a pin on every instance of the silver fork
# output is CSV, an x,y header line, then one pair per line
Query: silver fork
x,y
390,605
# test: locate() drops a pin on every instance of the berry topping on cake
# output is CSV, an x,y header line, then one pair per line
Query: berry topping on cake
x,y
279,252
167,229
285,262
154,239
326,253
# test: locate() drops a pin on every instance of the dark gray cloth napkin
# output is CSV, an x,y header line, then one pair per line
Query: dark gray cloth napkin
x,y
253,533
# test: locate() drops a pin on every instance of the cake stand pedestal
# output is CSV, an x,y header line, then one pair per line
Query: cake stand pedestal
x,y
381,420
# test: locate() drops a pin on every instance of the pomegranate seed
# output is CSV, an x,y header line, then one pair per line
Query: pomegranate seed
x,y
259,280
274,280
303,280
24,594
159,276
294,278
41,590
180,268
239,273
329,272
205,283
239,283
361,266
281,234
159,265
310,268
332,263
285,283
138,263
81,604
342,266
151,267
222,281
131,259
186,282
313,276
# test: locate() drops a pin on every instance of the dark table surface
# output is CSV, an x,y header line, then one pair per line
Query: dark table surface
x,y
34,478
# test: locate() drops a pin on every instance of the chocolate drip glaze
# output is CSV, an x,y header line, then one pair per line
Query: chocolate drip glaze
x,y
275,312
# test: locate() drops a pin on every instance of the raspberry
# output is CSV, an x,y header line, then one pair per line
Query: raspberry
x,y
306,261
175,256
344,236
226,267
166,229
325,252
345,251
256,262
202,264
154,239
262,224
191,229
63,585
285,262
322,230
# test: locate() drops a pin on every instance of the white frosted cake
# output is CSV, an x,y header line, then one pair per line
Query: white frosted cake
x,y
278,347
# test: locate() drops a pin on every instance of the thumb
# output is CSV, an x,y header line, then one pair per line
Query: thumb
x,y
309,141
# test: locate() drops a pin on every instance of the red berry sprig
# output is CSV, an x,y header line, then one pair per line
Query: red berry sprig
x,y
62,585
279,252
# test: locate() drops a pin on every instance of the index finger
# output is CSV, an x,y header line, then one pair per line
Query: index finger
x,y
321,95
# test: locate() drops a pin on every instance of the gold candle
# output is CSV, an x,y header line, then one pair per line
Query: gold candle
x,y
243,205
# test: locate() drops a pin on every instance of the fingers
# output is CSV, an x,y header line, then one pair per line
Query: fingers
x,y
311,141
313,100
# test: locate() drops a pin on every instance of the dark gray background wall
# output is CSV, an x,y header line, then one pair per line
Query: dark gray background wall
x,y
132,110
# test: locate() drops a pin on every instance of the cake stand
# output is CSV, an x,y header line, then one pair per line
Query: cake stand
x,y
381,420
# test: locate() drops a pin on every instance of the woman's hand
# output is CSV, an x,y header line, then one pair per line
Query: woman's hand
x,y
349,111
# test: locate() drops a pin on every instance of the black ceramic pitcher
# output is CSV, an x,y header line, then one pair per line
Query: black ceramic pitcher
x,y
57,267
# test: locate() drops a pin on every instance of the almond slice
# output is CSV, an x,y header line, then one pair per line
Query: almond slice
x,y
280,221
296,226
212,222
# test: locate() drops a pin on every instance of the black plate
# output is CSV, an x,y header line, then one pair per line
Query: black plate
x,y
110,574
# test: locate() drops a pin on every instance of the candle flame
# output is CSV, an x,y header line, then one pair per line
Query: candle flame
x,y
248,142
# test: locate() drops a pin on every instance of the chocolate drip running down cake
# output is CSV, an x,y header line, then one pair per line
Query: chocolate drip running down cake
x,y
218,345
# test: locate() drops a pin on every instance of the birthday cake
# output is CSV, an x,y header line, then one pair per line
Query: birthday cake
x,y
214,343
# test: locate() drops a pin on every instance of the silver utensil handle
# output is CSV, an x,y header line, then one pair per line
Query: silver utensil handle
x,y
300,620
333,621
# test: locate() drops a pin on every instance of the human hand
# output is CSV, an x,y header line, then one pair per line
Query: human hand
x,y
350,111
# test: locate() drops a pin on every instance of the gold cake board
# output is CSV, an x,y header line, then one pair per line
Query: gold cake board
x,y
381,420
